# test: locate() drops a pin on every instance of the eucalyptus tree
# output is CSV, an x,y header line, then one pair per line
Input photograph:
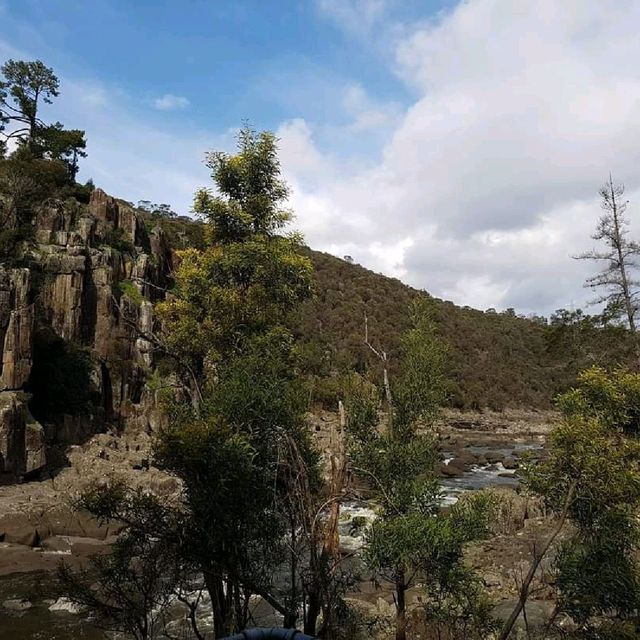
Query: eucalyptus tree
x,y
224,326
412,541
591,480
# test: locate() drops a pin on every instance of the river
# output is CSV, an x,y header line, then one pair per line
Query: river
x,y
41,590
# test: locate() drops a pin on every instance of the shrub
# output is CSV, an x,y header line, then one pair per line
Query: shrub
x,y
11,243
117,239
130,290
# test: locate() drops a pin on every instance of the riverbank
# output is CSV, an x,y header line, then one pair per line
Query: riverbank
x,y
39,527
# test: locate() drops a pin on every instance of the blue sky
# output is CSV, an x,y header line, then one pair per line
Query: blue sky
x,y
219,61
456,145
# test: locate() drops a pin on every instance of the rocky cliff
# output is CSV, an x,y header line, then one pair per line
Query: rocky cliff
x,y
71,316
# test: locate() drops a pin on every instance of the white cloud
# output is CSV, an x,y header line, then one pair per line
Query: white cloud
x,y
354,16
485,184
169,102
368,115
521,111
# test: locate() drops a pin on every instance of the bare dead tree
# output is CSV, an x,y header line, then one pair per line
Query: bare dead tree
x,y
382,356
620,256
337,483
317,540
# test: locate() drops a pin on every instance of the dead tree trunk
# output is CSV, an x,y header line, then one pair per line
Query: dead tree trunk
x,y
535,563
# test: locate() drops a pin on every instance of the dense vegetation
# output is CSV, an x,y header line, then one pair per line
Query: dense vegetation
x,y
254,335
497,360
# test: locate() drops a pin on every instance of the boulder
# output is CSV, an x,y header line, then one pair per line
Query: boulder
x,y
510,463
538,613
17,605
451,470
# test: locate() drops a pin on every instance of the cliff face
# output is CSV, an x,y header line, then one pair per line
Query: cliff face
x,y
88,287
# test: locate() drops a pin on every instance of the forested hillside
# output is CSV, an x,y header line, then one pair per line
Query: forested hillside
x,y
497,360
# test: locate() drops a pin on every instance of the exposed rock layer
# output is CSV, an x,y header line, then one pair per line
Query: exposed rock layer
x,y
72,287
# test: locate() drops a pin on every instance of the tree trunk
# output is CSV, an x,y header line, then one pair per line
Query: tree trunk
x,y
313,611
535,563
626,292
401,607
219,609
291,618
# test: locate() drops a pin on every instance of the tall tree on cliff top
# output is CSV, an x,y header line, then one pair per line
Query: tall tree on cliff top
x,y
617,278
27,84
224,325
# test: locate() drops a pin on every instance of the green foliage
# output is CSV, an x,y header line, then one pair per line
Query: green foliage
x,y
593,471
259,392
458,608
25,182
130,290
45,162
130,589
247,281
25,84
412,539
227,538
237,444
251,188
82,192
117,238
435,543
65,145
181,232
418,388
611,398
494,360
61,378
12,244
157,211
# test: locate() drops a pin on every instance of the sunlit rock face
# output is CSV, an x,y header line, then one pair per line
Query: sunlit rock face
x,y
70,295
22,445
16,327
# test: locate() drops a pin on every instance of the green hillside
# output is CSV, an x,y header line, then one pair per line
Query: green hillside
x,y
498,360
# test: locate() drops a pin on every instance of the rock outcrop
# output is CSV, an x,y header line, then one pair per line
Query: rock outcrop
x,y
16,327
89,280
22,445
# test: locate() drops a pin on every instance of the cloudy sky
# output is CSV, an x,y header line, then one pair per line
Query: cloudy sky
x,y
456,145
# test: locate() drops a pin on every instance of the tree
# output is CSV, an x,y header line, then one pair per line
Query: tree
x,y
44,163
591,480
66,145
224,327
26,84
24,182
411,539
248,278
620,257
162,210
131,589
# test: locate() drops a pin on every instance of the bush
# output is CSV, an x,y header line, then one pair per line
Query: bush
x,y
11,243
117,239
130,290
